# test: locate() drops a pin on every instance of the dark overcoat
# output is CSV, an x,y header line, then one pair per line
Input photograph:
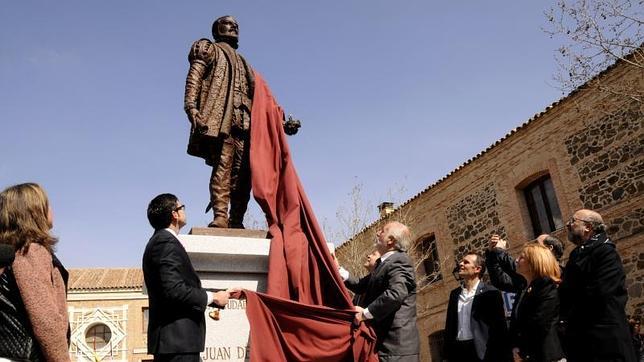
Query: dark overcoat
x,y
593,300
535,319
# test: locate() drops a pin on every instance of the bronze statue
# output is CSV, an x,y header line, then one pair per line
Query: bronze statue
x,y
218,101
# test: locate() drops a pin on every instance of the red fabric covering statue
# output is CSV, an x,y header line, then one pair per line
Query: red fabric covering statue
x,y
307,314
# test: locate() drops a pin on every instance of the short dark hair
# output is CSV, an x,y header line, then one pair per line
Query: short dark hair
x,y
480,261
556,245
160,210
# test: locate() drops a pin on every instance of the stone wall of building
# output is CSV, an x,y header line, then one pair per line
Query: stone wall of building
x,y
472,220
634,268
607,157
628,224
590,144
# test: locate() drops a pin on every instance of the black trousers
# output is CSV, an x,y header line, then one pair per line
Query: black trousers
x,y
465,352
177,357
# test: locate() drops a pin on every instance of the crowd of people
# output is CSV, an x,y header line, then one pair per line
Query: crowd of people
x,y
570,313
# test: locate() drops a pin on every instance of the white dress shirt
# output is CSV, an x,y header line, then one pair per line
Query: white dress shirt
x,y
465,300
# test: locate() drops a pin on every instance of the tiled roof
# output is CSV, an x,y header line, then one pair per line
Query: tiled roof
x,y
105,279
534,118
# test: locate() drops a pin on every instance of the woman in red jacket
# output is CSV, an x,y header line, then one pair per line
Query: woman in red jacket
x,y
25,223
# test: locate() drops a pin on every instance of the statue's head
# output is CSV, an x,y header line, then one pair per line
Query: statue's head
x,y
226,29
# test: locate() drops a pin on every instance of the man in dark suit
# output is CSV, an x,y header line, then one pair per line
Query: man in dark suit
x,y
177,327
475,328
390,296
593,294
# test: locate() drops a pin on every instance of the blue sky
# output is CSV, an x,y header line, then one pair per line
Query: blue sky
x,y
391,95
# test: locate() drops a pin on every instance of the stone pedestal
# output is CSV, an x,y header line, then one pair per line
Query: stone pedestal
x,y
226,258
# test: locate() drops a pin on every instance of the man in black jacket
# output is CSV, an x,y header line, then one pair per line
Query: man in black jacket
x,y
502,267
593,294
475,328
390,296
176,327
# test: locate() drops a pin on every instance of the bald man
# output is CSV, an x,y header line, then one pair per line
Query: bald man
x,y
593,294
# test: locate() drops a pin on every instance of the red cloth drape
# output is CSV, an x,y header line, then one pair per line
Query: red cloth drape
x,y
307,313
283,330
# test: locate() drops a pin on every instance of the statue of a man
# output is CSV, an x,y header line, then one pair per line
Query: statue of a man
x,y
218,102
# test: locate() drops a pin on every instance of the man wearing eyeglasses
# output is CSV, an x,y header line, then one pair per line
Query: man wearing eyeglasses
x,y
177,327
593,294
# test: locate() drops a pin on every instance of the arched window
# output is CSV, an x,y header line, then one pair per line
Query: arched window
x,y
427,252
543,207
98,336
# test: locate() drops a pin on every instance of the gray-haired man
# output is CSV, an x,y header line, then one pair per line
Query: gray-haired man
x,y
390,296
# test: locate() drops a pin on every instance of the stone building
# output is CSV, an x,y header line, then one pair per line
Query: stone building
x,y
583,151
108,315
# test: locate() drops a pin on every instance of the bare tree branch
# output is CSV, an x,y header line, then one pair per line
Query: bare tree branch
x,y
360,214
594,35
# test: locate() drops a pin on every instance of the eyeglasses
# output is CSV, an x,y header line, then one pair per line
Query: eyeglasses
x,y
178,208
573,219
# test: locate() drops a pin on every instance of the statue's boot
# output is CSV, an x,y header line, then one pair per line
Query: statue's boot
x,y
219,222
220,211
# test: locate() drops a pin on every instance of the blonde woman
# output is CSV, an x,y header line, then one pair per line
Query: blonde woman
x,y
25,223
536,310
